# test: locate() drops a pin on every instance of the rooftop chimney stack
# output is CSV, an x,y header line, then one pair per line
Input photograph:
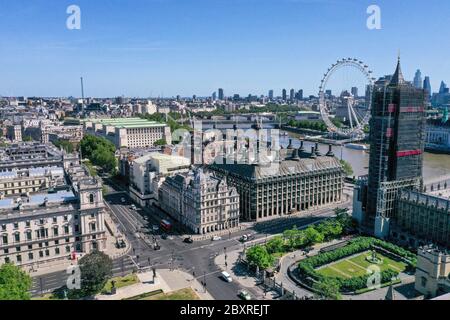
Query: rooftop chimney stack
x,y
330,151
313,153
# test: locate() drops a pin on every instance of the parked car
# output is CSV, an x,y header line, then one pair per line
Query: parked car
x,y
216,238
226,276
155,227
122,200
157,247
188,240
244,295
133,207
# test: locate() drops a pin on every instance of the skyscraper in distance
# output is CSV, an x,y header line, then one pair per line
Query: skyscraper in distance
x,y
418,79
300,94
397,139
270,94
427,86
442,87
221,94
291,94
284,94
355,91
214,96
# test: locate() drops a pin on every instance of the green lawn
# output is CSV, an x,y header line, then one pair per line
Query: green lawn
x,y
357,266
121,282
182,294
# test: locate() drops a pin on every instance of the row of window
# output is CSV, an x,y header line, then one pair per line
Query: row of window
x,y
41,253
40,245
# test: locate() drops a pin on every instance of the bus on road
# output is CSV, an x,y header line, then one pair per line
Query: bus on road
x,y
166,225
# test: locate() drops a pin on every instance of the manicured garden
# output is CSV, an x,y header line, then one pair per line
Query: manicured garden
x,y
356,266
347,270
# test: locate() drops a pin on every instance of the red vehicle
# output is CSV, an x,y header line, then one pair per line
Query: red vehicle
x,y
166,225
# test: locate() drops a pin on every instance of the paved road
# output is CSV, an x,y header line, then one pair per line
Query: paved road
x,y
197,257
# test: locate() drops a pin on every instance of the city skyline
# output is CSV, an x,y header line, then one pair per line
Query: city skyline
x,y
137,52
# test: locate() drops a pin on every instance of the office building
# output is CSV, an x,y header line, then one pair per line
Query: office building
x,y
297,182
291,94
129,132
221,95
14,133
201,201
354,92
49,213
284,95
418,80
148,172
270,94
427,87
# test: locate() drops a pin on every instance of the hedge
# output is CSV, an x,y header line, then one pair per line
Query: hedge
x,y
307,267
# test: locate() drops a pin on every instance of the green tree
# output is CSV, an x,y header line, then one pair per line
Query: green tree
x,y
160,142
330,229
27,138
258,255
347,168
275,245
327,289
96,270
100,151
15,284
313,236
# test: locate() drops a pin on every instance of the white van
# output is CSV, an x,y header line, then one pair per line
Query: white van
x,y
226,276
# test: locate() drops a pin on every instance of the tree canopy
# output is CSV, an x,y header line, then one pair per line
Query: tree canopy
x,y
96,270
259,256
100,152
15,284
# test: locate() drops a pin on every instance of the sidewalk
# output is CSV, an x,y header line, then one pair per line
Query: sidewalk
x,y
165,280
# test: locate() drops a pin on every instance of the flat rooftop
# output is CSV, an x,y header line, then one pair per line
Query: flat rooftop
x,y
127,122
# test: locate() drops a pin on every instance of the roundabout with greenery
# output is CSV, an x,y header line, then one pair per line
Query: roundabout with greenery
x,y
355,267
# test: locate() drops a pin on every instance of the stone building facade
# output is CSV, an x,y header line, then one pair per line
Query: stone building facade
x,y
53,223
299,181
200,201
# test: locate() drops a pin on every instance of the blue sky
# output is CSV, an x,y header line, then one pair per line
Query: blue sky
x,y
169,47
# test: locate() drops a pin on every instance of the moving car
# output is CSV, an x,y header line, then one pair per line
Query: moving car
x,y
188,240
216,238
164,236
226,276
244,295
133,207
247,237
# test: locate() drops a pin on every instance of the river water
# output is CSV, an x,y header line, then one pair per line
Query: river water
x,y
436,166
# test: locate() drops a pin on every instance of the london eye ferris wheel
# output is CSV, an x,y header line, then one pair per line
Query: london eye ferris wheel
x,y
348,114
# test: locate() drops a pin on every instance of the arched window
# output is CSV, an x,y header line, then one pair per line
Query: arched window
x,y
91,198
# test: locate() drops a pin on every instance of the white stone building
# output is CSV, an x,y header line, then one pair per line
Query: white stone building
x,y
148,172
200,201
